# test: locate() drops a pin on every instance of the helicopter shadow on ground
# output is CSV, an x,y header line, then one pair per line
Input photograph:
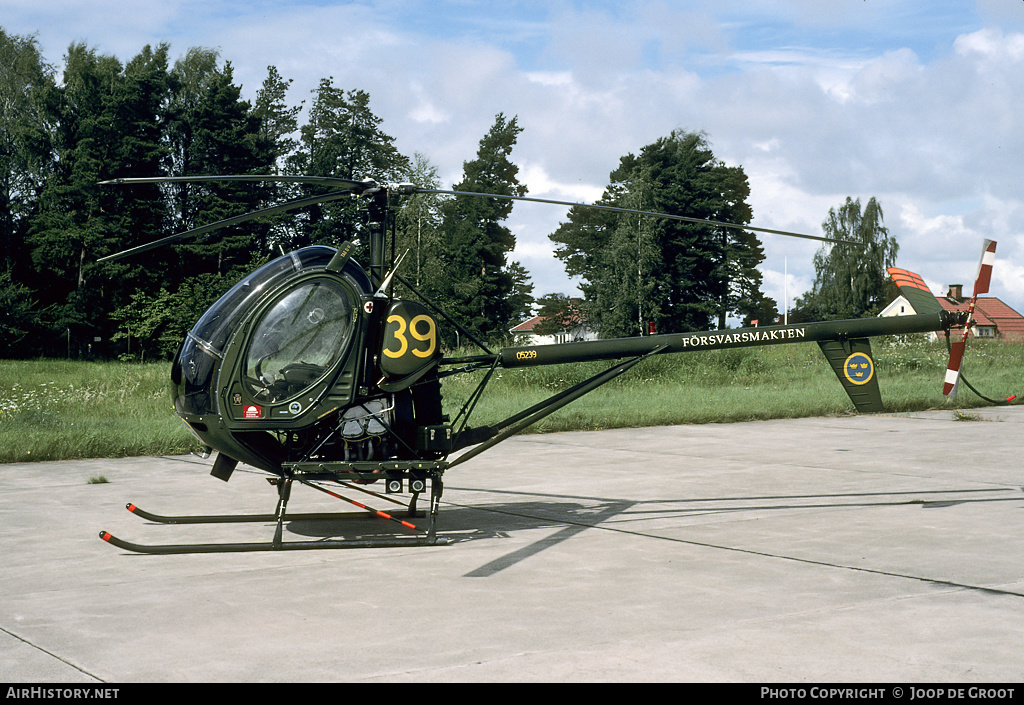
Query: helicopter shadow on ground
x,y
461,523
572,515
617,515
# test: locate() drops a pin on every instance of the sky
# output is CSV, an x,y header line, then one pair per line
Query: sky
x,y
912,102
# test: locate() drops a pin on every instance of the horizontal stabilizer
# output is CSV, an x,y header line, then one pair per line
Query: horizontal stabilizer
x,y
915,291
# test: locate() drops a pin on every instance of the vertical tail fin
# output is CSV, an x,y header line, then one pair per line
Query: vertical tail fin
x,y
852,362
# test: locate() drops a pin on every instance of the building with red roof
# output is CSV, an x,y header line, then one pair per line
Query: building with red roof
x,y
992,317
525,334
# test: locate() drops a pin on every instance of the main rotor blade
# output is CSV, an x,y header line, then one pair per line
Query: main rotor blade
x,y
357,186
290,205
616,209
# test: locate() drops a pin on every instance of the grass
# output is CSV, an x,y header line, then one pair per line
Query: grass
x,y
55,410
58,410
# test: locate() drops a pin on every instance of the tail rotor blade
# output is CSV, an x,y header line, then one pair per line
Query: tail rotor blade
x,y
956,350
988,258
956,358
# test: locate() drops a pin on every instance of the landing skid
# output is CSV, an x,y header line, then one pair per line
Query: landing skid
x,y
169,549
424,538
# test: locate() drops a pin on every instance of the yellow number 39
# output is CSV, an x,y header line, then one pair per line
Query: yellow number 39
x,y
415,328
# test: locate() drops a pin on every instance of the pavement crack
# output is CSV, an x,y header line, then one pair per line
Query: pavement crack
x,y
49,653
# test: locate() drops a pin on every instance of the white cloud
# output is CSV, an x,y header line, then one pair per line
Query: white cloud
x,y
542,185
1008,282
940,232
550,78
992,45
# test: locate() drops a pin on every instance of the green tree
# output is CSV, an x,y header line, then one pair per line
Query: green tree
x,y
107,121
219,135
850,281
418,226
65,229
520,299
278,120
153,325
478,281
278,126
680,276
208,130
341,138
558,314
190,82
18,319
138,148
26,159
140,119
25,151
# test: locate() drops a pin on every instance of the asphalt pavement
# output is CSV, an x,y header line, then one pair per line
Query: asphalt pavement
x,y
879,548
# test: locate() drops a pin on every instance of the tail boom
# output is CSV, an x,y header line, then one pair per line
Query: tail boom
x,y
615,348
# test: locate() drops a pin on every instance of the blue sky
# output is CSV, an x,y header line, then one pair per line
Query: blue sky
x,y
915,103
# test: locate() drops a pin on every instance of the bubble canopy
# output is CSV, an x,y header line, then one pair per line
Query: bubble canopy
x,y
296,340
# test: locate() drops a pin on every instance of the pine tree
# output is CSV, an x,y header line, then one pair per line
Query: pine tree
x,y
278,120
478,280
25,150
107,122
342,138
222,136
278,126
25,162
206,129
